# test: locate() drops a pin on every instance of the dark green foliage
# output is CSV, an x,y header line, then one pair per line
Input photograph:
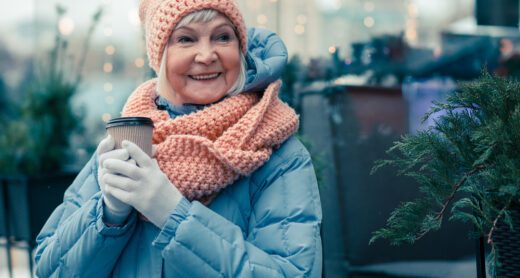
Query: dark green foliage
x,y
37,139
290,76
318,159
467,164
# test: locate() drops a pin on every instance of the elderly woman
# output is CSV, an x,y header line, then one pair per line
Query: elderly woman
x,y
229,192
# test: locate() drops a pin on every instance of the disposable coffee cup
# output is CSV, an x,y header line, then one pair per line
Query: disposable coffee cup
x,y
138,130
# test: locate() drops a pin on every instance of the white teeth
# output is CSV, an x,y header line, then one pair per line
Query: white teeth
x,y
205,76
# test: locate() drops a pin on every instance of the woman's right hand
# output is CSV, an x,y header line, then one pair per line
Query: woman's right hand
x,y
115,211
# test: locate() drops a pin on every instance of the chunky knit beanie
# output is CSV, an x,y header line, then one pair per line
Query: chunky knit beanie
x,y
161,16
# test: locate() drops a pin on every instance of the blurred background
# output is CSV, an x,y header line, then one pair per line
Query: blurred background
x,y
361,74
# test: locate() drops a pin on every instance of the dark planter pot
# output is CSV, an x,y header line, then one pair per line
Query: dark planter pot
x,y
27,203
507,242
356,125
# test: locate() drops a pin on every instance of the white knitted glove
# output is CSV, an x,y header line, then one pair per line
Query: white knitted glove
x,y
115,211
143,186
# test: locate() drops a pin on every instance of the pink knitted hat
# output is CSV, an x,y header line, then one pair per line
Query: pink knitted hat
x,y
160,17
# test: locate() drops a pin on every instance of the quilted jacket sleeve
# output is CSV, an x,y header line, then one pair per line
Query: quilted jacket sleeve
x,y
74,241
283,237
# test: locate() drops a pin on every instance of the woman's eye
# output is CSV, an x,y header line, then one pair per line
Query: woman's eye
x,y
184,39
224,38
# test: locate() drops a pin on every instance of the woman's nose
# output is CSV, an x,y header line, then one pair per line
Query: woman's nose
x,y
206,54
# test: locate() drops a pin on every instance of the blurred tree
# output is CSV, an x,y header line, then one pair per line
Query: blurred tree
x,y
291,75
37,140
4,103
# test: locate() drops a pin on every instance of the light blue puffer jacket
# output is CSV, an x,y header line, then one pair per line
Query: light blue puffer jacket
x,y
263,225
266,58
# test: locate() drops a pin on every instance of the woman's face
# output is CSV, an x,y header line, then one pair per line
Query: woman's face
x,y
203,61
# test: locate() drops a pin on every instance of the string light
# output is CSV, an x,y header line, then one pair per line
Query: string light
x,y
107,67
369,22
139,62
133,17
299,29
412,11
106,117
66,25
261,19
329,5
110,50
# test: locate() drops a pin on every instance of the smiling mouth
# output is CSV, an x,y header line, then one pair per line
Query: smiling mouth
x,y
204,77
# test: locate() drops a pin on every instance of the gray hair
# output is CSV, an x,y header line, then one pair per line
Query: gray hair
x,y
204,16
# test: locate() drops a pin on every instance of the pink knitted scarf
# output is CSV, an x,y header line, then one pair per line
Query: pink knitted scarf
x,y
205,151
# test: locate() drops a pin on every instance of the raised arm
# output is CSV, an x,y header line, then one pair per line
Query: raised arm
x,y
75,242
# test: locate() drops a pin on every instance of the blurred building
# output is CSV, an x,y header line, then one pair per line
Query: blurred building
x,y
117,61
310,27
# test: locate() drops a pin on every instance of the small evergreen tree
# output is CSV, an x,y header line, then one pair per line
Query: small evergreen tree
x,y
467,164
37,140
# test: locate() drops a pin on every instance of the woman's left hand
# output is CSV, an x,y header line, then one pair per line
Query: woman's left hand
x,y
143,186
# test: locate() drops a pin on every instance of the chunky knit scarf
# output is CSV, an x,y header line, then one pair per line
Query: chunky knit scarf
x,y
203,152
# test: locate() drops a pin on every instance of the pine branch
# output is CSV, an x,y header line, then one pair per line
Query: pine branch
x,y
495,222
472,148
440,215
